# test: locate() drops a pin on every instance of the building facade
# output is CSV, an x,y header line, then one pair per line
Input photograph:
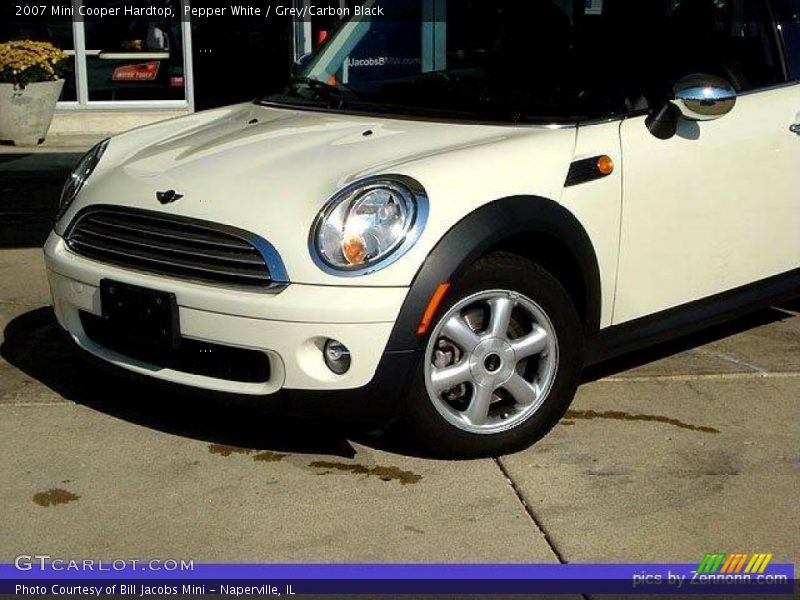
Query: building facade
x,y
163,60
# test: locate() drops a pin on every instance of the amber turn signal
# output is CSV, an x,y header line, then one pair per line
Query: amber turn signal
x,y
354,249
605,165
430,310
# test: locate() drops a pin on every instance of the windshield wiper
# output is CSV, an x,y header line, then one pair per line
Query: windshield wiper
x,y
336,95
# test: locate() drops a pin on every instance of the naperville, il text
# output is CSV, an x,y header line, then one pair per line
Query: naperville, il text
x,y
201,590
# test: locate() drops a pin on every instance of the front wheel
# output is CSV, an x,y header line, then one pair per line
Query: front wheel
x,y
501,364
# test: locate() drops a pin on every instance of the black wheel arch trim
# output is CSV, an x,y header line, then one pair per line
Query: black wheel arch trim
x,y
480,231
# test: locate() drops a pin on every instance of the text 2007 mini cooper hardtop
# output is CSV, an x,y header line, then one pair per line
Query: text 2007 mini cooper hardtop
x,y
445,220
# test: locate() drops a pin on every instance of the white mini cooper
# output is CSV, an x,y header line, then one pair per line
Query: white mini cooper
x,y
450,211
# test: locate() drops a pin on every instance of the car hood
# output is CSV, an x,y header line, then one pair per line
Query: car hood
x,y
270,170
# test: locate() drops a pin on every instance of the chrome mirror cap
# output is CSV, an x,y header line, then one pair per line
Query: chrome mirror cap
x,y
704,97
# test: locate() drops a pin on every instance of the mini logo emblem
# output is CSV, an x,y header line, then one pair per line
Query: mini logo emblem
x,y
168,197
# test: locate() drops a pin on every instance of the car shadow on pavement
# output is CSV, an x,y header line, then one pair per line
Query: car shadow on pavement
x,y
30,187
35,344
793,306
683,344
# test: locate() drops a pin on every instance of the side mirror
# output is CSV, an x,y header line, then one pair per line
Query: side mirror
x,y
704,97
694,98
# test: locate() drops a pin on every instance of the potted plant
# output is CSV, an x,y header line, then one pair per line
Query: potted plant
x,y
31,80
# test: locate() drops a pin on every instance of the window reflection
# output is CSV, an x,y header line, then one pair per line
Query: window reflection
x,y
134,58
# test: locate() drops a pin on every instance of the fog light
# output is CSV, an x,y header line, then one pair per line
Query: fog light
x,y
337,357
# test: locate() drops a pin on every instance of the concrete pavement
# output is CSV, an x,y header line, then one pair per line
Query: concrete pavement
x,y
666,455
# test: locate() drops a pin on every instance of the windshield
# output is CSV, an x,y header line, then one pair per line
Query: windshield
x,y
501,60
544,61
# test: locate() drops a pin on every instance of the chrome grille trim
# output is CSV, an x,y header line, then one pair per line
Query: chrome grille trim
x,y
165,233
175,246
92,233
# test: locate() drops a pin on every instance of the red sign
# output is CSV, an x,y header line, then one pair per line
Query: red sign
x,y
141,72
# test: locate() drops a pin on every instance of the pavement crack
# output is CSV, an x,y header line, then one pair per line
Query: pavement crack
x,y
532,516
702,377
731,359
4,404
529,511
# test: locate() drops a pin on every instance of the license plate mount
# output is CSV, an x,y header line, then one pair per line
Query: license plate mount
x,y
143,315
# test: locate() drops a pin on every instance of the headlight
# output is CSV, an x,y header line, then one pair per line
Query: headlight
x,y
79,176
369,225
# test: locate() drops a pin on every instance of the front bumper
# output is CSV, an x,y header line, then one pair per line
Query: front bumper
x,y
289,327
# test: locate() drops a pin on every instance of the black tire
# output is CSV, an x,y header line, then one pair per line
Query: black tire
x,y
502,270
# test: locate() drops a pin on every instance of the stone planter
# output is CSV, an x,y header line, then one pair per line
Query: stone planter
x,y
26,113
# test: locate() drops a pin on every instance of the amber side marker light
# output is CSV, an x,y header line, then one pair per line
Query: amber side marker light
x,y
605,165
430,310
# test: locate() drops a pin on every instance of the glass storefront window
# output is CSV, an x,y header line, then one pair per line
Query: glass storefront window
x,y
134,58
128,61
140,59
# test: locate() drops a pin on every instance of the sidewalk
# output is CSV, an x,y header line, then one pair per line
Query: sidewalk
x,y
75,131
665,455
57,144
669,454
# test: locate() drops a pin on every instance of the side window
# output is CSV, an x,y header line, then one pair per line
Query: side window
x,y
791,38
655,43
731,38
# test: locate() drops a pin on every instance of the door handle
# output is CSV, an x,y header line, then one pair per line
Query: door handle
x,y
795,128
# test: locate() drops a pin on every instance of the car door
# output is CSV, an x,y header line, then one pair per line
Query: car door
x,y
716,206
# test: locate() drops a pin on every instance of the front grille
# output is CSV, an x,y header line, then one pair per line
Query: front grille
x,y
192,356
169,245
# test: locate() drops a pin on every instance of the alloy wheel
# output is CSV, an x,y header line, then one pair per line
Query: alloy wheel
x,y
491,361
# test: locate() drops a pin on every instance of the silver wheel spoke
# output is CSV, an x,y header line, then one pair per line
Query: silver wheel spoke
x,y
524,393
457,330
501,316
465,368
478,410
450,377
533,343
